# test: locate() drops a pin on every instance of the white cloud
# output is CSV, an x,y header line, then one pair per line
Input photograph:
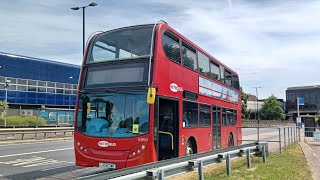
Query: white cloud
x,y
273,44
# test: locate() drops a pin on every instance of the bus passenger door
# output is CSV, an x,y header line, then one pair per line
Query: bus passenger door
x,y
216,127
168,129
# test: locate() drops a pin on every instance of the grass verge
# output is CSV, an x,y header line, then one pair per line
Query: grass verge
x,y
23,121
291,164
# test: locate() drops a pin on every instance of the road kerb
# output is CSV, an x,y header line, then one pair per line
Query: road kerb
x,y
313,162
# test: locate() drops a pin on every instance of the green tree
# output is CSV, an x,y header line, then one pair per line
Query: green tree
x,y
272,109
244,107
3,107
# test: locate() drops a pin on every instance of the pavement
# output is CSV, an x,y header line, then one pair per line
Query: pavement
x,y
312,153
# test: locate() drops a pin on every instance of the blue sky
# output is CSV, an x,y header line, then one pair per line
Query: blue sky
x,y
270,43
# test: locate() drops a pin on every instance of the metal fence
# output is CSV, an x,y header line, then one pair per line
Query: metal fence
x,y
311,134
46,117
278,137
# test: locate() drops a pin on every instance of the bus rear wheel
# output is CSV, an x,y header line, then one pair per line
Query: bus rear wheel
x,y
231,141
189,148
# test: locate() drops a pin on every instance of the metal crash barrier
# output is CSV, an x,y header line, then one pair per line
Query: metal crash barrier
x,y
175,166
35,131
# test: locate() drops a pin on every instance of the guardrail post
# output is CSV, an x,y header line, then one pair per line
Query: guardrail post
x,y
284,138
200,170
264,155
161,174
279,139
294,134
258,130
248,158
299,134
288,136
22,136
228,164
291,136
44,135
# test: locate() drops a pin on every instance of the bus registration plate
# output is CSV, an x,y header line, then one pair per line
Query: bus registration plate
x,y
107,165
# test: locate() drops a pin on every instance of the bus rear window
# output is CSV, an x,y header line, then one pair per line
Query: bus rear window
x,y
203,61
171,47
189,57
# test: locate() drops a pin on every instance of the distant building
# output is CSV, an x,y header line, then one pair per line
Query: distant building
x,y
252,105
36,83
311,96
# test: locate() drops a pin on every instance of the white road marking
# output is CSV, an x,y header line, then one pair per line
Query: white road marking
x,y
24,143
28,161
34,161
19,162
37,152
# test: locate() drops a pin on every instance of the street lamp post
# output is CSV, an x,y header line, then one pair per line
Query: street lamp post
x,y
257,114
83,21
70,89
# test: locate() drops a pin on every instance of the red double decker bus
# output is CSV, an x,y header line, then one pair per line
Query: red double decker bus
x,y
147,93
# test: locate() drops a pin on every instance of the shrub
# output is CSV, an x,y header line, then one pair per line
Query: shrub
x,y
23,121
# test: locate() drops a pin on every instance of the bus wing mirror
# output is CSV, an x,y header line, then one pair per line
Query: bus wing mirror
x,y
151,96
88,108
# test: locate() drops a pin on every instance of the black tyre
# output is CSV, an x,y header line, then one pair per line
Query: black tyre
x,y
230,141
189,148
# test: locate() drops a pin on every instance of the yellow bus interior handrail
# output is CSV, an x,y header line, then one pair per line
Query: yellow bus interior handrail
x,y
164,132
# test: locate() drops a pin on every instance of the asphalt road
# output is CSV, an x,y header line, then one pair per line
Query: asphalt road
x,y
43,159
250,131
35,160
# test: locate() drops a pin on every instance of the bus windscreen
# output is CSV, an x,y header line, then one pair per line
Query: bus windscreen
x,y
113,114
126,43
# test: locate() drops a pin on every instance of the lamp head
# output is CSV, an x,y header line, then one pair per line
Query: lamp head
x,y
93,4
75,8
